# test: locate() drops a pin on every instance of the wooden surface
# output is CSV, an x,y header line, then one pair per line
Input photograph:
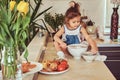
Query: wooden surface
x,y
35,49
79,69
96,70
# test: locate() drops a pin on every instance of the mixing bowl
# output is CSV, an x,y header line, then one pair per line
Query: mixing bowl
x,y
76,50
88,56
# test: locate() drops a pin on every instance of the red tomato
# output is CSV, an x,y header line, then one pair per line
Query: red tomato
x,y
61,67
64,62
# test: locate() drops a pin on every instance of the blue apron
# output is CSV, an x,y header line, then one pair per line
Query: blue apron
x,y
72,39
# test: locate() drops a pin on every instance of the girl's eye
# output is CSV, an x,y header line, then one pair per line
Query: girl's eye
x,y
74,21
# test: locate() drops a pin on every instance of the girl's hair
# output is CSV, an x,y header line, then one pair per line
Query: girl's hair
x,y
72,12
74,4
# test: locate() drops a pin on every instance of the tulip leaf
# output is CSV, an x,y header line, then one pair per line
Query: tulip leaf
x,y
26,55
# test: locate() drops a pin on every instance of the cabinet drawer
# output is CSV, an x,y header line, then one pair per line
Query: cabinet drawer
x,y
112,53
109,49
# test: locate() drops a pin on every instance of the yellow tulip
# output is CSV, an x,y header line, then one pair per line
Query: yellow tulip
x,y
12,4
23,7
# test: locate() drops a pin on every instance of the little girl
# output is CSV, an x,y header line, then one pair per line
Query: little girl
x,y
71,32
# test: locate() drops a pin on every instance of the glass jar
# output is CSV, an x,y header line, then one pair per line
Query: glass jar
x,y
11,64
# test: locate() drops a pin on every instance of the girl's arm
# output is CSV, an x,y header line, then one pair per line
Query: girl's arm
x,y
92,43
58,35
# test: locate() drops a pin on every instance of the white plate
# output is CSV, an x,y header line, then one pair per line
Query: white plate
x,y
38,67
60,72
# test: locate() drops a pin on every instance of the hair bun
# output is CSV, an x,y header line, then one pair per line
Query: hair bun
x,y
72,3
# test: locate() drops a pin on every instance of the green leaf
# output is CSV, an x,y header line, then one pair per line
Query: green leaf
x,y
5,27
42,12
37,6
24,35
25,22
26,55
4,16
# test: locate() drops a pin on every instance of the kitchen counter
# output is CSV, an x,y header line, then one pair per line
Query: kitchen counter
x,y
107,42
79,69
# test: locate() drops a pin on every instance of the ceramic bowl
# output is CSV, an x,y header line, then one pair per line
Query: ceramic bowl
x,y
76,50
89,57
101,58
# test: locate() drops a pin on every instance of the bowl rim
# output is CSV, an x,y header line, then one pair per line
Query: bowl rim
x,y
78,45
89,54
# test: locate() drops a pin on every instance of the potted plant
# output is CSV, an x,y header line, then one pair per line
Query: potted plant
x,y
54,21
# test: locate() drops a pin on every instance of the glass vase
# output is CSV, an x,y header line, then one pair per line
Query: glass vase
x,y
11,64
114,24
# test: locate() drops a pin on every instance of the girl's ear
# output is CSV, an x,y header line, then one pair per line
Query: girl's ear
x,y
66,21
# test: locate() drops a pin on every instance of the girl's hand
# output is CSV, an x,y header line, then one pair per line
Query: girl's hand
x,y
94,51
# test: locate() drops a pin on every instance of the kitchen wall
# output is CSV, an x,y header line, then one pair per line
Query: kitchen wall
x,y
94,9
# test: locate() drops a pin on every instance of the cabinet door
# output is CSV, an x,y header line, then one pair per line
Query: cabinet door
x,y
114,67
113,59
112,53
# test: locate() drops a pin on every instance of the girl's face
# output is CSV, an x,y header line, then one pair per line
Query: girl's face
x,y
74,23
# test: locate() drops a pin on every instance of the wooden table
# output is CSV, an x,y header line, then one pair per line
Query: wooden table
x,y
79,69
